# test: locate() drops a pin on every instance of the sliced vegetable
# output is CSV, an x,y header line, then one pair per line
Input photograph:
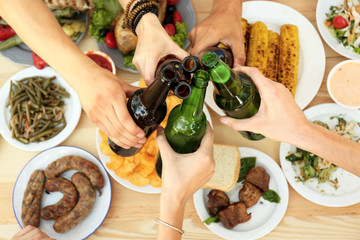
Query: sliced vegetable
x,y
39,63
181,34
210,220
6,32
10,42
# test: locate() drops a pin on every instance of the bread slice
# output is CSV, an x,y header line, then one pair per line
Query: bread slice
x,y
227,159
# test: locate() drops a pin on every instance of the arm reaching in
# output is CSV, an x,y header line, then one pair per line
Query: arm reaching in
x,y
222,25
154,43
102,95
30,233
182,176
280,118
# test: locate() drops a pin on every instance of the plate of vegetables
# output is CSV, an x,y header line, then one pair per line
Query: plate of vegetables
x,y
317,179
178,20
339,26
266,213
39,110
12,47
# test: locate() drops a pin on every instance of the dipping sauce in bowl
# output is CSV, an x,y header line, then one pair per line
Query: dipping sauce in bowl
x,y
343,83
102,59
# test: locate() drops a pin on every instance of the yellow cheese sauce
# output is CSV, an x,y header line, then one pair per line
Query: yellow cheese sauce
x,y
345,84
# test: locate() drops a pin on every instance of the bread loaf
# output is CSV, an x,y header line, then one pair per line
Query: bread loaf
x,y
227,159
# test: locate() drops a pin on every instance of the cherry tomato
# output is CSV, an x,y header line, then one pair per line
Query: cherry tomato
x,y
177,17
39,63
172,2
5,32
339,22
110,40
170,29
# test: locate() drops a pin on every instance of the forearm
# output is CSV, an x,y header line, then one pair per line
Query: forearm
x,y
39,29
219,5
172,212
343,152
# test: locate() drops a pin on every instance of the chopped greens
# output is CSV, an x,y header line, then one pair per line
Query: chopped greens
x,y
210,220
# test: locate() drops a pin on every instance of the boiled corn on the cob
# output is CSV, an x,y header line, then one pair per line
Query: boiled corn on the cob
x,y
273,56
257,49
289,57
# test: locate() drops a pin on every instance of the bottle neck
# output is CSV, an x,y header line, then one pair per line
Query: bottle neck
x,y
155,95
193,106
226,82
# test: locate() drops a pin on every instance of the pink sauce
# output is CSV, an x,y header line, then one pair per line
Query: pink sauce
x,y
345,84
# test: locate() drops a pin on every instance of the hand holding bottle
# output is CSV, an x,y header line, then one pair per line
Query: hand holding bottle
x,y
31,233
222,25
153,44
106,107
184,174
278,116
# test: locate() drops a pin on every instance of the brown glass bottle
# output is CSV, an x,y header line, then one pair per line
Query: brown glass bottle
x,y
147,106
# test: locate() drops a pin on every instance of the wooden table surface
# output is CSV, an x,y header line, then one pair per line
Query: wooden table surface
x,y
131,214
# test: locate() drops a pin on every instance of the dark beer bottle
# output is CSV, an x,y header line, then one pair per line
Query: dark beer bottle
x,y
147,106
234,93
187,122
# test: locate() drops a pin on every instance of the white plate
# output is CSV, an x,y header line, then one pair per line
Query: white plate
x,y
324,194
22,54
72,110
265,216
184,7
98,212
311,51
126,183
323,6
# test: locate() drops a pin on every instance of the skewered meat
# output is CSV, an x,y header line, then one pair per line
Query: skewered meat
x,y
259,177
249,194
233,215
217,201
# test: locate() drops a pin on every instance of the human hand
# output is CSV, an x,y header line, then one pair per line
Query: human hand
x,y
223,25
154,43
103,98
30,233
184,174
279,117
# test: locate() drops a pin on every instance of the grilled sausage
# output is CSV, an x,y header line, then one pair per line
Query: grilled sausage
x,y
78,163
68,201
82,208
30,212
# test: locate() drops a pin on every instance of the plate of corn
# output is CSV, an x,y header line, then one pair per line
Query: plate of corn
x,y
291,51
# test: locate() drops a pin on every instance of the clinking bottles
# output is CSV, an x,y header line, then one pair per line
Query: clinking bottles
x,y
187,122
234,93
147,106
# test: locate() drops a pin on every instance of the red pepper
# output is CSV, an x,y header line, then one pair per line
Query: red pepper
x,y
5,32
39,63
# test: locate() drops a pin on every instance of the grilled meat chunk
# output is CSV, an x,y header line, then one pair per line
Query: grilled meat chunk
x,y
77,5
233,215
217,201
259,177
249,194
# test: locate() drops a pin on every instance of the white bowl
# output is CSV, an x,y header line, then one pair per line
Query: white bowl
x,y
333,70
100,53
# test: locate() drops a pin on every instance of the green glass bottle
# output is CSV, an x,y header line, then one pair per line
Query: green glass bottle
x,y
187,122
235,94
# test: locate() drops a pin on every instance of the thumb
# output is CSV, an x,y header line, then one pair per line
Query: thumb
x,y
236,124
128,88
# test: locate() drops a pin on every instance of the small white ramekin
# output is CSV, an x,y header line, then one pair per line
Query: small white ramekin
x,y
100,53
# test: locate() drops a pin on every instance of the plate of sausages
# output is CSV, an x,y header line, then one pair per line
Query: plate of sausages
x,y
65,191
